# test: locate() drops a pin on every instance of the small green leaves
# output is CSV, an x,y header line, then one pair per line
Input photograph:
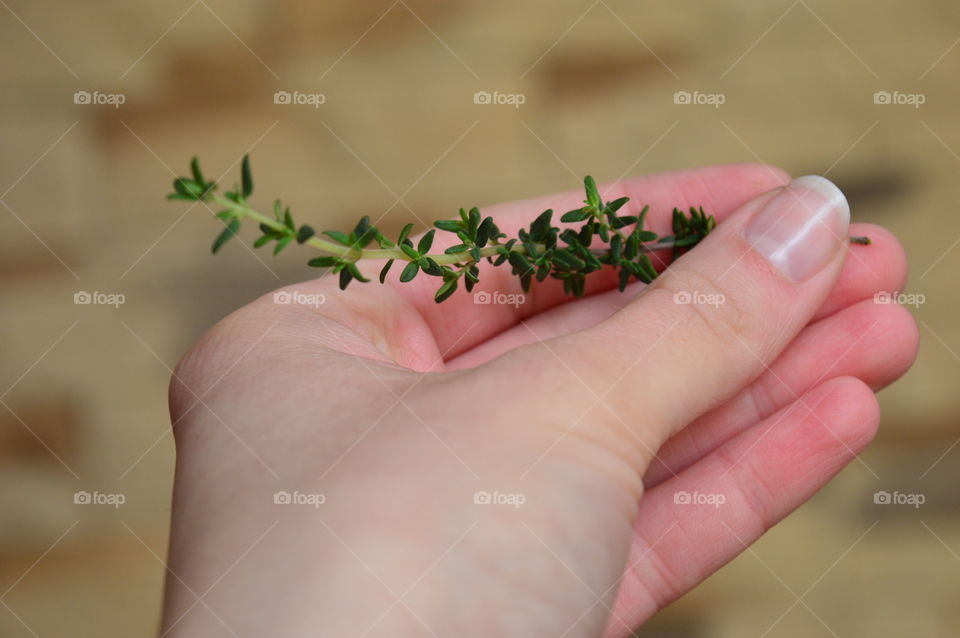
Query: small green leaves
x,y
605,239
487,231
305,233
447,225
410,251
281,244
322,262
337,236
426,242
345,277
533,254
577,215
192,188
233,226
541,226
593,195
247,176
409,272
430,267
195,170
385,270
185,189
404,234
448,288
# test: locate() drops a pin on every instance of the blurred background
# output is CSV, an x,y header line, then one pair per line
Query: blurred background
x,y
387,107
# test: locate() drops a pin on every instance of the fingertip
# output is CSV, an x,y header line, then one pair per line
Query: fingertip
x,y
885,253
879,267
899,342
848,414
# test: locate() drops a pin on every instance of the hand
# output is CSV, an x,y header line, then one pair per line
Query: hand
x,y
384,415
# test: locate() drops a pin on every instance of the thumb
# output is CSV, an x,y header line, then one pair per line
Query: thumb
x,y
718,316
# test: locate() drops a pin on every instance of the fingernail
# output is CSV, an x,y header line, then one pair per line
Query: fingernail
x,y
802,227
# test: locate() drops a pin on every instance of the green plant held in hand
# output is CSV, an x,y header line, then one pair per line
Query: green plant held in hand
x,y
540,251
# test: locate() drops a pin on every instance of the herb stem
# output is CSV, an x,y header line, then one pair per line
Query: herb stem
x,y
542,250
444,259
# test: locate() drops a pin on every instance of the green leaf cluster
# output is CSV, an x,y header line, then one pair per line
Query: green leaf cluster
x,y
591,238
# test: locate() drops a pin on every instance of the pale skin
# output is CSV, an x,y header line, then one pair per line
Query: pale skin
x,y
596,412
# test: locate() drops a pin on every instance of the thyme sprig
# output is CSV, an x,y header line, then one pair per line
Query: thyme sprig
x,y
605,238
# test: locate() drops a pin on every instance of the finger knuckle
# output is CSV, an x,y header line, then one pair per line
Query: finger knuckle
x,y
702,299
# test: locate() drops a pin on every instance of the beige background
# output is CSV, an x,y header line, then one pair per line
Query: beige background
x,y
82,186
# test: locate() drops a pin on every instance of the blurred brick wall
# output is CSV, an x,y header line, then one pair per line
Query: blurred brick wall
x,y
399,133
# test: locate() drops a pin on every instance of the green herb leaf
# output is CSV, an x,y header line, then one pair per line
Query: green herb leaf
x,y
322,262
305,233
356,274
362,226
447,225
541,225
195,169
426,242
247,176
225,235
409,272
448,288
615,205
187,189
386,269
575,215
281,244
410,252
345,277
337,236
593,195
